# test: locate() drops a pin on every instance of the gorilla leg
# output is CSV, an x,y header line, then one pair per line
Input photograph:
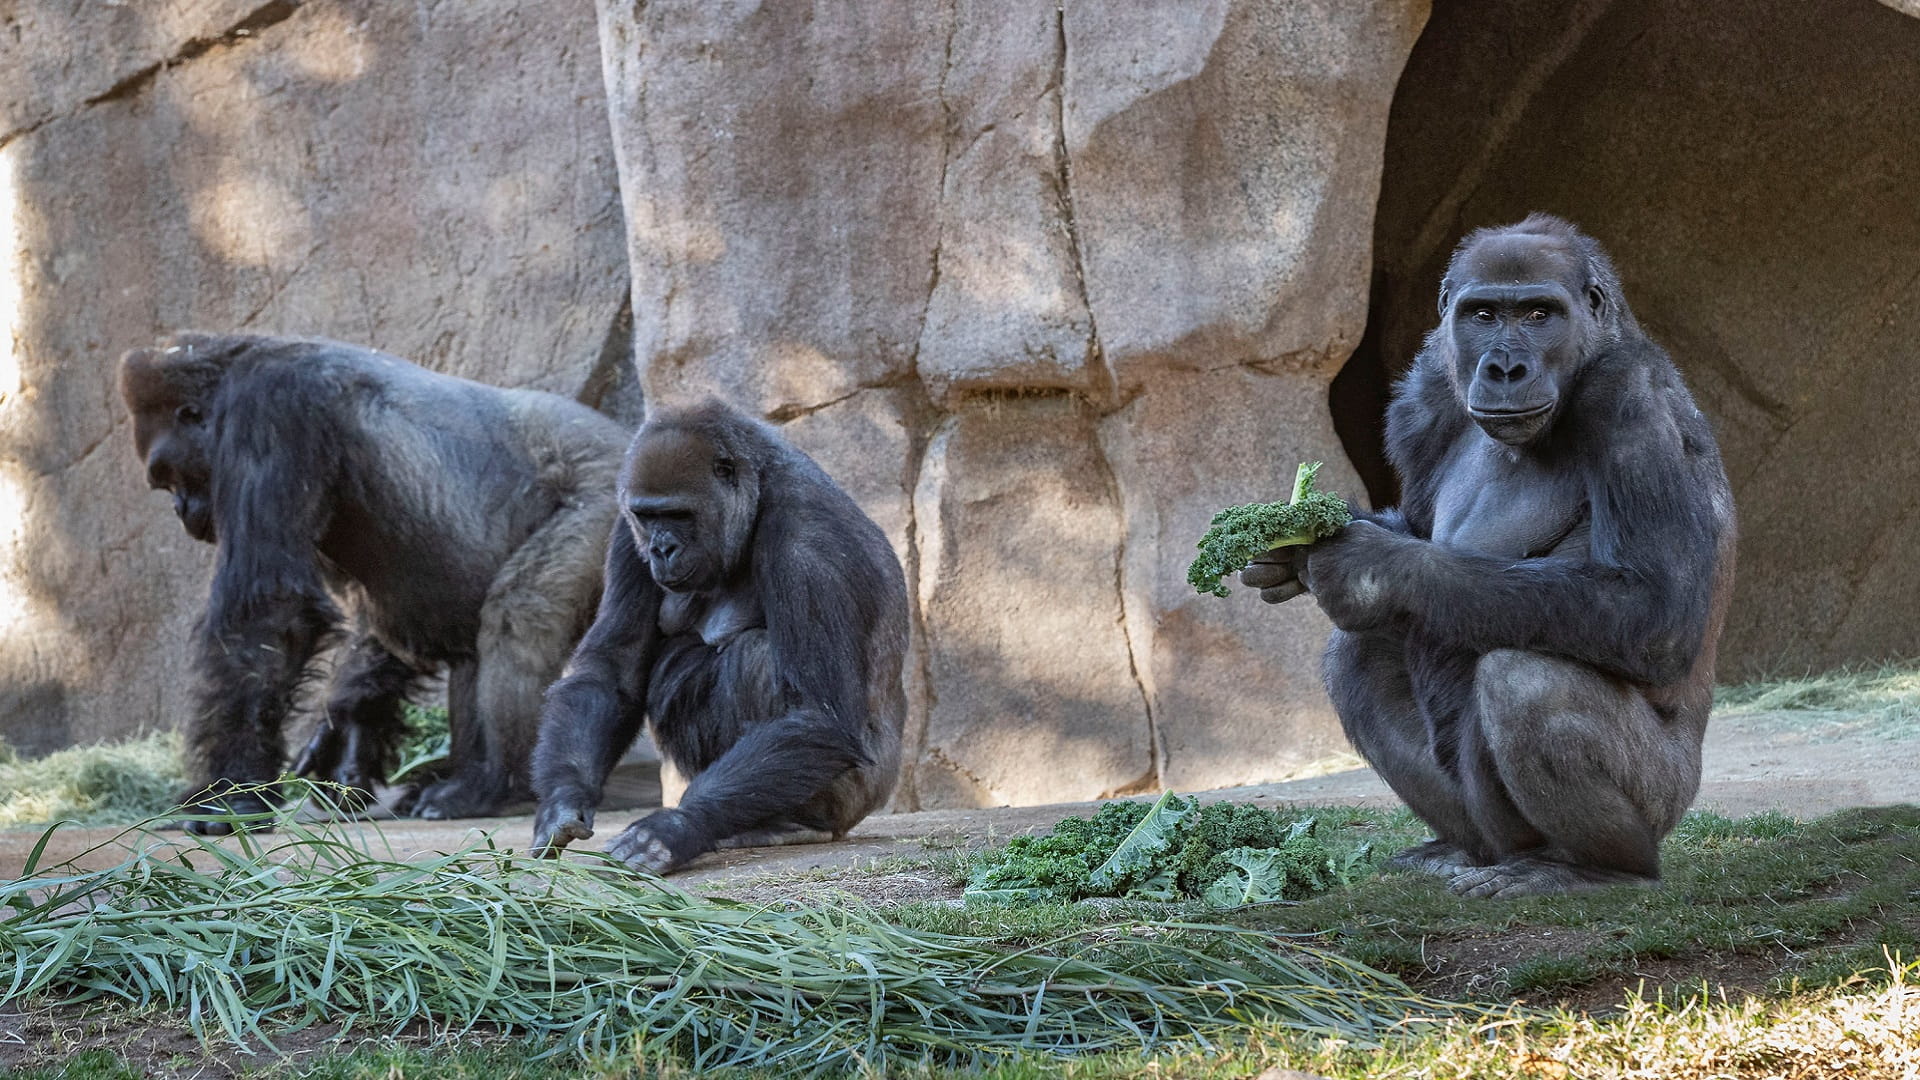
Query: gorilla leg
x,y
1367,679
756,774
355,742
1588,764
532,616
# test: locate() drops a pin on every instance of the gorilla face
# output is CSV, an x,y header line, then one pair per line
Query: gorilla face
x,y
690,506
1520,326
173,434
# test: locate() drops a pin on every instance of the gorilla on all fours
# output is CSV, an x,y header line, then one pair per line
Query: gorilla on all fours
x,y
756,620
1525,647
455,524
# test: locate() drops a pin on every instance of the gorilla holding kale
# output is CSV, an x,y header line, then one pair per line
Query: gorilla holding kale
x,y
460,525
1525,647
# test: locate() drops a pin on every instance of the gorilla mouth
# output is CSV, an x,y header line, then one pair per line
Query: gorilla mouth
x,y
1501,415
195,516
1513,427
675,583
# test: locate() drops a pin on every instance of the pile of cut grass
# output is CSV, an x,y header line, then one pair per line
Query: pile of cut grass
x,y
305,926
103,784
1882,700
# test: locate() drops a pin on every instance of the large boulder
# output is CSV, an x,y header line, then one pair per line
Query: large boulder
x,y
432,179
1045,285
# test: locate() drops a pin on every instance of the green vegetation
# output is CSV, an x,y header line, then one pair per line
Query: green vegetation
x,y
105,784
305,926
1784,900
1880,701
1225,854
1817,921
141,777
1861,1032
428,742
1239,533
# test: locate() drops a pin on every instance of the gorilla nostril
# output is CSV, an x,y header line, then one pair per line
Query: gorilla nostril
x,y
1503,370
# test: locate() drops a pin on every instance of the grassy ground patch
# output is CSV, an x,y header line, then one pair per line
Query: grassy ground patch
x,y
1756,904
1861,1032
1777,949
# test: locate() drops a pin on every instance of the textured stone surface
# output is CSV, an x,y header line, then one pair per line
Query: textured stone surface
x,y
1235,682
1766,229
781,169
1224,159
431,179
1097,262
1031,690
57,55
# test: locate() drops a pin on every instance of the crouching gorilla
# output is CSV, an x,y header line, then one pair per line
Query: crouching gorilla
x,y
460,524
1525,648
757,621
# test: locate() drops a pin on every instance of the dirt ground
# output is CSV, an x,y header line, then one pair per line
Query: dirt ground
x,y
1803,765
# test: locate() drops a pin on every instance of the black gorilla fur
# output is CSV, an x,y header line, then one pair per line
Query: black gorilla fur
x,y
1525,648
756,619
459,524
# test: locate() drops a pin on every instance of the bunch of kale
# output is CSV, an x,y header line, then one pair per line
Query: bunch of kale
x,y
1225,854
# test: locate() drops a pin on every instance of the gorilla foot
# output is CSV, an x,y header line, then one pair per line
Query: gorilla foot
x,y
1437,857
228,809
460,797
1532,875
660,843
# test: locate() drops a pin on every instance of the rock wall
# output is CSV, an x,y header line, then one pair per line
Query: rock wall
x,y
432,179
1044,285
1752,166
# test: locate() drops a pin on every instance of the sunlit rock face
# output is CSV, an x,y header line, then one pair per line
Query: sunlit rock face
x,y
436,180
1045,285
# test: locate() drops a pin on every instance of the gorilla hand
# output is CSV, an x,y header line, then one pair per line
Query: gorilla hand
x,y
1350,574
323,753
660,843
1276,574
561,819
342,754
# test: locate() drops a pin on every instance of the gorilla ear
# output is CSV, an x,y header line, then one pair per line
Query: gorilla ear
x,y
1446,289
1597,300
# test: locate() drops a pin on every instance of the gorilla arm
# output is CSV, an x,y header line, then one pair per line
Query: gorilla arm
x,y
594,712
268,610
1636,607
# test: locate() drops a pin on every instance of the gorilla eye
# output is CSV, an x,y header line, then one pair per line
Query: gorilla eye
x,y
188,415
1482,314
1537,315
724,470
